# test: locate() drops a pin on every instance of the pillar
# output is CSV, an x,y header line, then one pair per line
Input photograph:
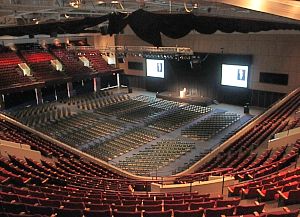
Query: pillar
x,y
70,89
97,83
2,102
38,96
118,80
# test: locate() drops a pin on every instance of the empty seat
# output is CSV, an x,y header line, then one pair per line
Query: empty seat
x,y
176,206
249,209
209,204
126,214
218,212
189,213
69,212
290,197
96,213
157,213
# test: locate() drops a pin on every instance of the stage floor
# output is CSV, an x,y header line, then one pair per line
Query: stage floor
x,y
191,99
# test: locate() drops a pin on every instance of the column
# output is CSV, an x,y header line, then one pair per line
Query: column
x,y
38,96
118,80
2,102
70,89
97,83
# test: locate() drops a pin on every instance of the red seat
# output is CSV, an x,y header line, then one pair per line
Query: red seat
x,y
268,194
129,208
188,213
157,214
249,209
218,212
176,206
96,213
126,214
209,204
294,213
231,202
290,197
69,212
150,208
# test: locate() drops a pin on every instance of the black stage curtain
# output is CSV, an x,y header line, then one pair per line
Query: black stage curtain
x,y
62,27
148,26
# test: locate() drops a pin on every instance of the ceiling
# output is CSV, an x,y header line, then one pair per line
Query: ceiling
x,y
18,12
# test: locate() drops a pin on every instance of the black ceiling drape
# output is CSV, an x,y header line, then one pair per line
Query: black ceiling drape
x,y
61,27
149,26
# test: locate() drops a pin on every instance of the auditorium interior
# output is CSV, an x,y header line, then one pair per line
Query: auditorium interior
x,y
149,108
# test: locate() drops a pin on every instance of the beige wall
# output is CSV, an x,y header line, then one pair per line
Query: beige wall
x,y
276,52
132,71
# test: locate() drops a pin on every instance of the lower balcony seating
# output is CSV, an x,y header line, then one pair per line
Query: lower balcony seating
x,y
71,64
96,61
11,75
38,59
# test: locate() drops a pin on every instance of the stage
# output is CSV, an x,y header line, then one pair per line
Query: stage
x,y
191,99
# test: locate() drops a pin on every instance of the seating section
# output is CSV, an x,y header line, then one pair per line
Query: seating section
x,y
80,129
125,105
96,60
71,63
207,128
66,184
38,59
148,111
121,144
175,118
241,149
11,75
277,187
156,156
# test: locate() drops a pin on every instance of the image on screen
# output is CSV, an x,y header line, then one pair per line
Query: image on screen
x,y
234,75
155,68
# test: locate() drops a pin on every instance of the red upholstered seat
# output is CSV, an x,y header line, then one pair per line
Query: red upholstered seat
x,y
157,214
249,209
290,197
231,202
96,213
218,212
126,214
294,213
188,213
176,206
209,204
149,208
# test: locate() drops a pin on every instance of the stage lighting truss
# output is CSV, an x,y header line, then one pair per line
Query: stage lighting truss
x,y
179,53
151,52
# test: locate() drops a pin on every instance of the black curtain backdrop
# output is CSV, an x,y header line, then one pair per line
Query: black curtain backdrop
x,y
149,26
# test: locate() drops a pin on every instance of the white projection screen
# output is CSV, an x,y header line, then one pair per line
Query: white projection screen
x,y
234,75
155,68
